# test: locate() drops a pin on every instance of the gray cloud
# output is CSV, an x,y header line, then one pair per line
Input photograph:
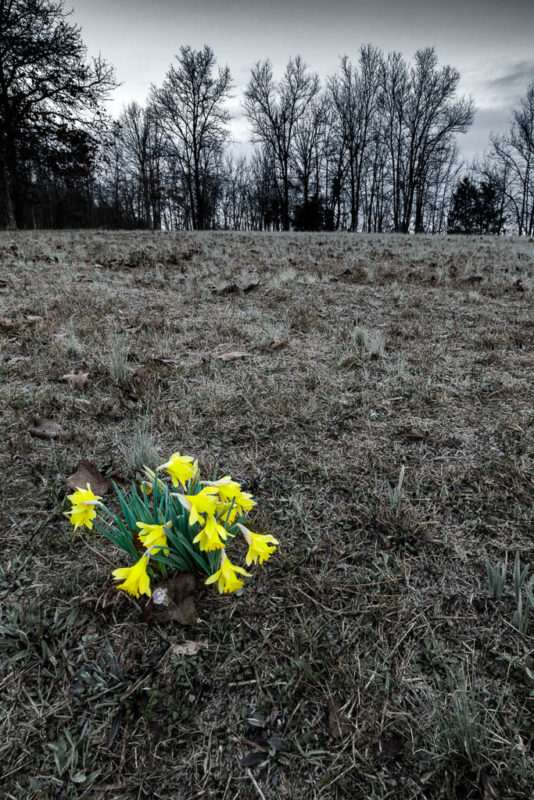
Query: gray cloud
x,y
516,76
488,41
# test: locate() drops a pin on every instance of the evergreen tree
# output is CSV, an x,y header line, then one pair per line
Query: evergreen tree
x,y
475,209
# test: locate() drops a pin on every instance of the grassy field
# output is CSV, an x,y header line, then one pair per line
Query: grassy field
x,y
367,658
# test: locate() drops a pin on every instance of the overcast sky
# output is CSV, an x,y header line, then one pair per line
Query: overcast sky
x,y
491,42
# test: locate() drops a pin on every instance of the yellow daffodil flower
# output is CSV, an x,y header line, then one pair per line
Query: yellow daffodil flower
x,y
83,497
230,490
136,580
244,501
83,507
233,509
154,535
202,503
81,515
226,487
180,468
210,536
260,546
226,576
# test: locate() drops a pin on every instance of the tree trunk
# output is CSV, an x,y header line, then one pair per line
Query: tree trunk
x,y
7,214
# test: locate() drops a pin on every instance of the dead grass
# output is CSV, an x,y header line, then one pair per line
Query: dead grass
x,y
367,659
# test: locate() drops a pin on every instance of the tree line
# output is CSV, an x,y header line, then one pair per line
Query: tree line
x,y
372,148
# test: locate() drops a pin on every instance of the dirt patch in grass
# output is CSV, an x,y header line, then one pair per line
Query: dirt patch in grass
x,y
367,658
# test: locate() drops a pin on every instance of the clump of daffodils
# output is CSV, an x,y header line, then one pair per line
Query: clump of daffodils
x,y
179,525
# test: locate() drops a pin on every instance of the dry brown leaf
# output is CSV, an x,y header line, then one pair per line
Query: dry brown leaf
x,y
45,428
413,434
172,600
188,648
338,722
276,742
136,329
31,319
142,373
88,473
6,324
279,344
229,288
78,379
254,758
232,355
166,360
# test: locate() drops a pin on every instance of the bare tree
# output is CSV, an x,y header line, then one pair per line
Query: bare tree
x,y
141,138
354,94
190,107
274,110
510,163
422,114
234,200
308,159
393,101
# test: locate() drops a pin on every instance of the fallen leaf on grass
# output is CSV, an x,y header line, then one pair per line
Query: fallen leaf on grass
x,y
172,601
279,344
256,719
167,360
253,759
232,355
264,747
229,288
188,648
144,370
142,373
32,319
250,286
338,722
45,428
6,324
87,473
78,379
413,434
276,743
